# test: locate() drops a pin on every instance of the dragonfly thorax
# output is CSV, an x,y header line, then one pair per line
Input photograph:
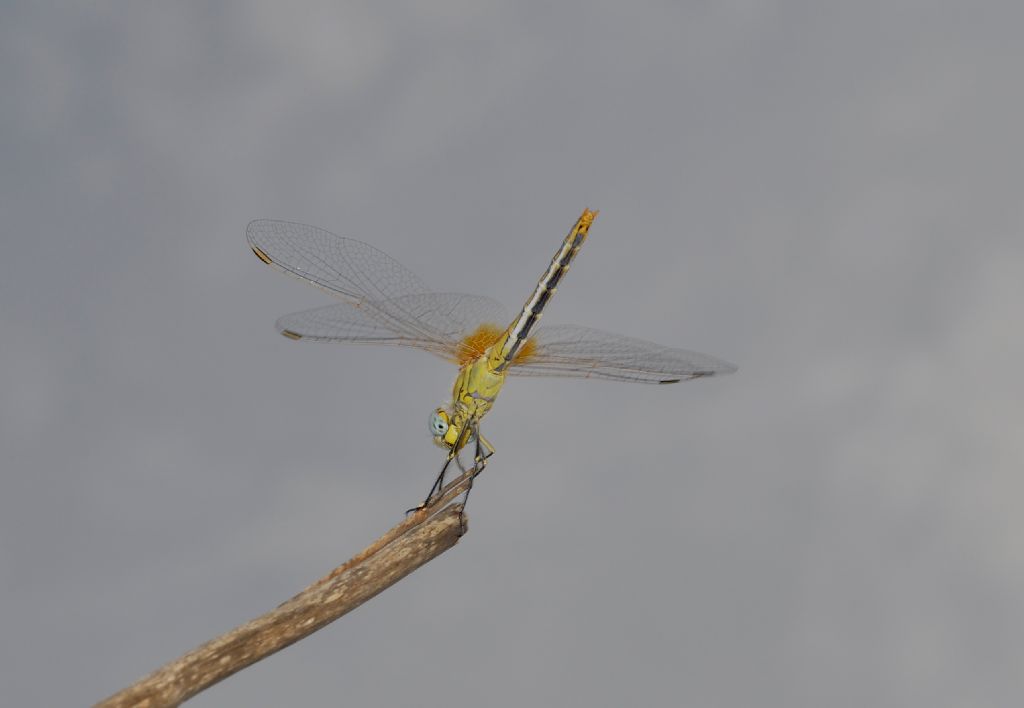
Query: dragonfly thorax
x,y
473,394
476,387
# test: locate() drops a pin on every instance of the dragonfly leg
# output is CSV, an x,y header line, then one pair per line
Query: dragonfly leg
x,y
488,448
458,462
439,482
438,485
482,450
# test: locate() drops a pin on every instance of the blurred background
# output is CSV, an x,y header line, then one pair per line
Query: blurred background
x,y
828,196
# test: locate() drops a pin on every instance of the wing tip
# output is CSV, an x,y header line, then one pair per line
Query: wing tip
x,y
290,334
719,371
261,254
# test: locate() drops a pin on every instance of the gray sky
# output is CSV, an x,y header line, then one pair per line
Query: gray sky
x,y
828,196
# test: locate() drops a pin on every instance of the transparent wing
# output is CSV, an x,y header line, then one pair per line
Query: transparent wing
x,y
342,266
450,317
570,350
386,302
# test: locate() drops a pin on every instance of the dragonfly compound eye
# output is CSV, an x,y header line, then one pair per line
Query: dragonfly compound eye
x,y
438,423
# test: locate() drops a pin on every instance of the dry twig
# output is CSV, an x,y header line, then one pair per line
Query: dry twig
x,y
423,535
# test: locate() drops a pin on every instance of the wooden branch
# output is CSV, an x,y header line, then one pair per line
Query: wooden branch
x,y
423,535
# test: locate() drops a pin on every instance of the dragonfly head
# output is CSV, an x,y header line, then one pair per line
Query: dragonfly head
x,y
446,426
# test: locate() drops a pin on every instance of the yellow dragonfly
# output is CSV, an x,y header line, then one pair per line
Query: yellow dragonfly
x,y
385,303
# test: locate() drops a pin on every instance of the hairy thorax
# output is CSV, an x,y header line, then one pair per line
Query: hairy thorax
x,y
476,387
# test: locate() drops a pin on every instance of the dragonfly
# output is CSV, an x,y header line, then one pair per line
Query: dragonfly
x,y
382,302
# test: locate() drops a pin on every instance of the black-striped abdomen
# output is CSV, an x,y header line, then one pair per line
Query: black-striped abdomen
x,y
514,338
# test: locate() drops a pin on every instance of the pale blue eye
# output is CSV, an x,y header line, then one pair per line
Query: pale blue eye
x,y
438,425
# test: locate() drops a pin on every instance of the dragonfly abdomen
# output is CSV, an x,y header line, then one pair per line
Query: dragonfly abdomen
x,y
511,343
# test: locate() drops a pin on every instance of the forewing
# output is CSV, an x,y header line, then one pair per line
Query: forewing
x,y
571,350
435,322
386,302
342,266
